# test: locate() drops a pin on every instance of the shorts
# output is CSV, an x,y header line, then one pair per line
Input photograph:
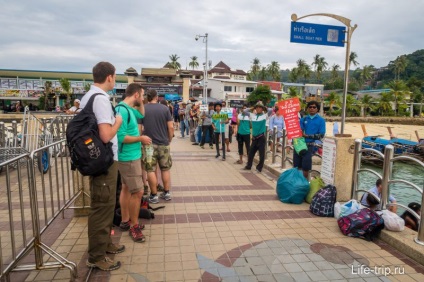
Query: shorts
x,y
233,122
161,156
131,175
304,162
176,118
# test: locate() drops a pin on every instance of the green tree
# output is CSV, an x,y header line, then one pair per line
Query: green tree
x,y
263,74
352,106
294,75
261,93
365,74
398,92
273,70
293,92
333,99
174,62
320,65
304,69
398,66
193,63
366,103
385,103
335,71
66,87
256,67
352,59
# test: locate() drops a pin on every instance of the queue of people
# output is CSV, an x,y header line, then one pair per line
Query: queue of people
x,y
140,134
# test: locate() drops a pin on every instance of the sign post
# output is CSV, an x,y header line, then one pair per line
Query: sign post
x,y
326,35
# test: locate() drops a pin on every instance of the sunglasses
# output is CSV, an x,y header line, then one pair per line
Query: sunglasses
x,y
312,107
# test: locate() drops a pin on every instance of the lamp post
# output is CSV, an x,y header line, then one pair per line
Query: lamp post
x,y
205,77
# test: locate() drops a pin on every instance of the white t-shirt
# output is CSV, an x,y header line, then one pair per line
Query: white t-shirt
x,y
75,109
103,111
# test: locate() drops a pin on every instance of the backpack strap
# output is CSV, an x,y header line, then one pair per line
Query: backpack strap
x,y
128,121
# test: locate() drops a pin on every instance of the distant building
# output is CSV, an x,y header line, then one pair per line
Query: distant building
x,y
28,85
225,83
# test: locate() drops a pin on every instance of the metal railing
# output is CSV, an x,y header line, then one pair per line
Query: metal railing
x,y
272,139
387,178
34,199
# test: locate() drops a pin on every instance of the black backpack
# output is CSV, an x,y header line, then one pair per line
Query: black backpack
x,y
89,155
322,203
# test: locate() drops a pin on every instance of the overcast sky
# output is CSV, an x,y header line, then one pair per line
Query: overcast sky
x,y
75,35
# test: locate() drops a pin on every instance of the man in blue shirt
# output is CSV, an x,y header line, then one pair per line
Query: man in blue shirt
x,y
313,128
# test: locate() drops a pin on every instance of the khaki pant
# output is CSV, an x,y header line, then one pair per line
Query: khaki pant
x,y
100,219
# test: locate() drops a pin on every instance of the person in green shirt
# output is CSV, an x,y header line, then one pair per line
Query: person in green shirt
x,y
258,137
219,120
129,164
244,125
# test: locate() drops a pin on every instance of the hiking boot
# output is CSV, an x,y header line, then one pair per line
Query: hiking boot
x,y
246,168
153,199
166,195
136,234
146,190
160,188
105,264
115,249
125,226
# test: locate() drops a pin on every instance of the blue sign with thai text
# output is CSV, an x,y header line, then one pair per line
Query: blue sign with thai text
x,y
318,34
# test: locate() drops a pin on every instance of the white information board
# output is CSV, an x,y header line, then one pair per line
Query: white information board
x,y
328,164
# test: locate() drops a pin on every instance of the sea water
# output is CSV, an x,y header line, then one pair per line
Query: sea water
x,y
403,193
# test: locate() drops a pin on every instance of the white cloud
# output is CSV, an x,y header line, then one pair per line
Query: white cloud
x,y
74,35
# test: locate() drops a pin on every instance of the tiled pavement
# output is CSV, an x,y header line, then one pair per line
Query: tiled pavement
x,y
224,224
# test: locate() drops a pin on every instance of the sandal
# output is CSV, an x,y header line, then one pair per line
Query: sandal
x,y
238,162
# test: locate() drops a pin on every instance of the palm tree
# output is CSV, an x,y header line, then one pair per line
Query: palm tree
x,y
174,62
366,103
385,103
294,75
352,59
399,66
66,86
320,65
293,92
352,106
193,64
335,71
365,74
256,67
333,99
274,70
398,92
263,73
304,69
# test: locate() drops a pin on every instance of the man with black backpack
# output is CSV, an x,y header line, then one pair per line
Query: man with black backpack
x,y
103,186
129,156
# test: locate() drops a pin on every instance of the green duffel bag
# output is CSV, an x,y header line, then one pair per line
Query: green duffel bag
x,y
315,185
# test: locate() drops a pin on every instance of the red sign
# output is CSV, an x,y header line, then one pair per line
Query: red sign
x,y
289,109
